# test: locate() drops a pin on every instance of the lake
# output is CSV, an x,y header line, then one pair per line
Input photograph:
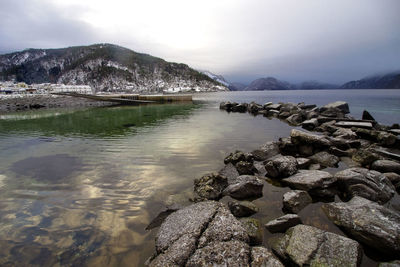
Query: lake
x,y
79,186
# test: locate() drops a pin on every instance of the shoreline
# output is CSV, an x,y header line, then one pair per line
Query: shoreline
x,y
214,233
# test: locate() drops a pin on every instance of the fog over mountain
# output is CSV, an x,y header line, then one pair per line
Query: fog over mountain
x,y
243,40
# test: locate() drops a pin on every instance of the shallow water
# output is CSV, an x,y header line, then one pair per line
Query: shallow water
x,y
80,186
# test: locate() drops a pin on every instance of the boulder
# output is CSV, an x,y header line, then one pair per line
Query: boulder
x,y
300,138
239,108
245,186
254,107
303,163
366,183
318,183
394,178
325,159
295,119
344,144
229,171
350,124
305,245
390,264
245,167
341,105
367,222
305,150
253,229
334,113
283,223
295,200
341,153
367,116
281,166
260,168
344,133
310,124
266,151
287,147
365,157
263,257
210,186
273,107
242,208
385,138
235,157
386,166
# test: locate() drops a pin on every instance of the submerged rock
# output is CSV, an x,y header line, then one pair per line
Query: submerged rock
x,y
245,186
365,183
296,200
242,208
210,186
281,166
368,222
281,224
263,257
309,246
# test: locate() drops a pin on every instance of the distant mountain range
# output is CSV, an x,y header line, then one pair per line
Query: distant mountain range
x,y
386,81
105,67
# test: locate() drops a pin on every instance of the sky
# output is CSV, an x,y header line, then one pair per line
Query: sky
x,y
295,40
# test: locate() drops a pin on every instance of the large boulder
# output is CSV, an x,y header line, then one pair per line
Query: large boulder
x,y
295,200
300,138
325,159
263,257
245,187
245,167
281,166
318,183
365,183
281,224
253,229
205,232
368,222
266,151
242,208
210,186
341,105
229,171
310,124
305,245
386,166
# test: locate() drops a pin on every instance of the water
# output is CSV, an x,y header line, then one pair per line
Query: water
x,y
80,186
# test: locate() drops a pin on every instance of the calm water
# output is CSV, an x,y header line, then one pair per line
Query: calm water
x,y
80,186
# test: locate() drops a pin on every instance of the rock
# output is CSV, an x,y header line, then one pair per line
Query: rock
x,y
192,230
390,264
314,167
300,138
287,147
242,208
230,172
281,224
245,167
223,227
365,157
345,133
281,166
394,178
309,246
295,119
284,114
304,106
245,186
312,114
273,107
239,108
310,124
313,181
265,106
262,257
254,107
295,200
367,116
341,105
340,153
327,126
344,144
272,113
386,166
305,150
225,105
210,186
230,253
368,222
260,168
332,113
253,229
368,184
358,124
386,139
325,159
303,163
235,157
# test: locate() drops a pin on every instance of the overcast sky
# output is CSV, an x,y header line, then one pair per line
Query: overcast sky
x,y
295,40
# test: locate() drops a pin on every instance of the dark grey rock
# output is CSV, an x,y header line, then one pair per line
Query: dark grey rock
x,y
210,186
310,124
287,147
385,138
235,157
386,166
394,178
254,107
306,150
253,229
390,264
367,116
283,223
365,183
340,153
281,166
313,181
230,253
344,133
300,138
314,167
239,108
245,186
303,163
367,222
309,246
260,168
245,168
273,106
365,157
242,208
341,105
295,119
263,257
230,172
296,200
325,159
358,124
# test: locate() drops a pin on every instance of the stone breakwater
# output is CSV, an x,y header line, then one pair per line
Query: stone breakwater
x,y
32,102
356,199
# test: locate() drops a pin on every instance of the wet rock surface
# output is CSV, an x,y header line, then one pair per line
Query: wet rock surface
x,y
313,181
367,222
210,186
263,257
309,246
295,200
242,208
386,166
281,166
281,224
245,187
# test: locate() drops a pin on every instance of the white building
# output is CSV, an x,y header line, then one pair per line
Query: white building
x,y
63,88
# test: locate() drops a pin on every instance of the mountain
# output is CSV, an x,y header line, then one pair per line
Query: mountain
x,y
386,81
237,86
215,77
269,83
105,67
311,85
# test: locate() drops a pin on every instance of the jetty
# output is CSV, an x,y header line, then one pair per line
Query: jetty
x,y
132,99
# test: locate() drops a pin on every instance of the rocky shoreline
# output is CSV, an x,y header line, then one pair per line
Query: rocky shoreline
x,y
34,102
357,199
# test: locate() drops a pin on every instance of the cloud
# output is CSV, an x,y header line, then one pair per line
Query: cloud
x,y
332,41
